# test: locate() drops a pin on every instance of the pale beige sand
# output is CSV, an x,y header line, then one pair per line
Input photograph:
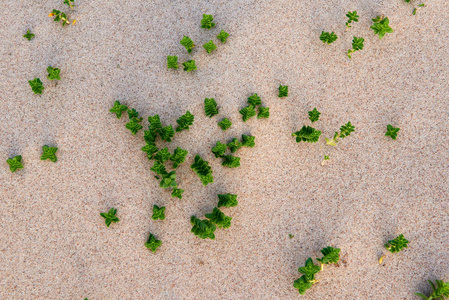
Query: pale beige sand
x,y
54,244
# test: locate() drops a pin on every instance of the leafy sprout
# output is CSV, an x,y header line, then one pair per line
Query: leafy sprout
x,y
209,46
381,26
134,114
36,85
210,107
189,65
314,115
302,284
219,218
309,270
163,155
203,228
134,125
283,91
53,73
345,131
167,133
49,153
29,36
168,180
248,141
223,36
397,244
247,113
15,163
220,149
234,145
185,121
224,124
158,168
177,193
153,243
178,157
227,200
264,112
158,213
206,22
110,217
187,43
150,136
70,3
118,109
328,38
203,170
172,62
307,134
290,236
330,256
416,8
155,123
440,291
392,132
59,16
357,44
254,100
352,17
150,150
231,161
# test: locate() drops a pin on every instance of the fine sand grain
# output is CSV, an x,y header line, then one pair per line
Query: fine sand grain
x,y
54,244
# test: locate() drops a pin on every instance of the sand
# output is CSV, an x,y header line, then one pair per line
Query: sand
x,y
54,244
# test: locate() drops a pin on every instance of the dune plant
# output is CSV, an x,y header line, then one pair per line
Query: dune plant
x,y
392,132
247,113
158,213
210,107
189,65
223,36
59,16
36,85
203,228
15,163
118,109
227,200
177,193
352,17
153,243
178,157
224,124
314,115
264,112
49,153
70,3
187,43
110,217
203,170
220,149
416,8
328,38
248,141
283,91
307,134
440,291
381,26
209,46
185,121
29,36
172,62
219,218
396,245
231,161
166,133
206,22
345,131
53,73
163,155
234,145
357,44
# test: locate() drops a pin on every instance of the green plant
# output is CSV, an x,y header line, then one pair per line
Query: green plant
x,y
440,291
29,36
357,44
302,284
283,91
150,150
158,168
307,134
225,124
163,155
70,3
15,163
189,65
178,157
36,85
158,212
210,107
381,26
328,38
345,131
118,109
416,8
203,170
152,243
247,112
248,141
219,218
177,193
220,149
314,115
150,136
203,228
168,180
134,125
352,17
134,114
254,100
155,123
59,16
290,236
223,36
326,157
185,121
53,73
331,255
231,161
167,133
209,46
206,22
397,244
392,132
227,200
172,62
264,112
234,145
309,270
110,217
49,153
187,43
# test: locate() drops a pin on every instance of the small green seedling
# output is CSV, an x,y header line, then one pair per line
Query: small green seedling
x,y
234,145
49,153
314,115
247,113
110,217
224,124
59,16
155,123
150,150
357,44
307,134
223,36
416,8
178,157
36,85
29,36
254,100
392,132
185,121
189,65
227,200
328,38
166,133
209,46
352,17
345,131
203,228
219,150
219,218
231,161
326,157
309,270
331,255
264,112
158,168
172,62
158,213
150,136
163,155
152,243
210,107
70,3
134,125
206,22
439,292
203,170
118,109
290,236
15,163
381,26
168,180
177,193
53,73
187,43
397,244
283,91
248,141
134,114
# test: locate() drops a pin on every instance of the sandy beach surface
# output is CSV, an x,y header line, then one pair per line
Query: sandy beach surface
x,y
54,244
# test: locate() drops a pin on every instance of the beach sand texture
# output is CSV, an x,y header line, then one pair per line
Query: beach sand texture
x,y
54,244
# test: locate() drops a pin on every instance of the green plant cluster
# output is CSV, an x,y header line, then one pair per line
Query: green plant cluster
x,y
37,85
203,170
396,245
229,160
250,110
110,217
59,16
440,291
224,124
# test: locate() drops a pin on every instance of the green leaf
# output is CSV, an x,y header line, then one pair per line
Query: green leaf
x,y
225,124
219,150
168,180
134,125
248,141
70,3
227,200
159,168
328,38
422,296
187,43
36,85
172,62
206,22
149,149
158,212
150,136
163,155
203,170
254,100
219,218
310,269
307,134
167,133
302,284
189,65
15,163
118,109
330,256
28,35
59,16
203,228
155,122
152,243
346,130
210,107
223,36
49,153
352,17
210,46
314,115
247,112
264,112
133,114
392,132
234,145
53,73
177,193
381,26
397,244
231,161
440,291
283,91
185,121
110,217
178,157
357,43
